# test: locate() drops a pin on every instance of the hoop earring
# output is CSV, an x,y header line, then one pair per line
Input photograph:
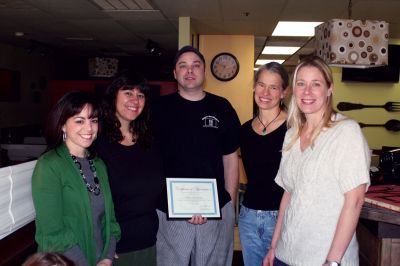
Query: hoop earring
x,y
64,136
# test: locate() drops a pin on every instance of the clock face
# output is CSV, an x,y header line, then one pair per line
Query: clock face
x,y
224,66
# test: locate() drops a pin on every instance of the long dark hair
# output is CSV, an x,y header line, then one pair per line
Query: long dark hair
x,y
69,105
110,123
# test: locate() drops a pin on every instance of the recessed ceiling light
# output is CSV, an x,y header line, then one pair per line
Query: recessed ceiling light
x,y
19,33
295,28
266,61
280,49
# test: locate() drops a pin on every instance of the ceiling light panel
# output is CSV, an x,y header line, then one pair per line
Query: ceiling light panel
x,y
266,61
295,28
113,5
117,4
130,4
280,49
143,4
73,38
104,4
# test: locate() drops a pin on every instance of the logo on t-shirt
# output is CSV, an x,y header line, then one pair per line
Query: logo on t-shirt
x,y
210,121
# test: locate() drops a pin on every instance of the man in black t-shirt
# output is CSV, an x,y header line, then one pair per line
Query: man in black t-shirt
x,y
199,137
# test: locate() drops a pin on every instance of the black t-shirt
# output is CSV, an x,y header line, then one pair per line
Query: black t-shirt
x,y
136,181
194,136
261,156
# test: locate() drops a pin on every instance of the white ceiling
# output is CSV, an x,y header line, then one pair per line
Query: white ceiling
x,y
47,24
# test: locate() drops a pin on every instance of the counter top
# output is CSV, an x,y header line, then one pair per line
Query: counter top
x,y
379,214
382,204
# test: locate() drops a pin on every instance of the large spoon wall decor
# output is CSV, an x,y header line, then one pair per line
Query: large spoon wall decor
x,y
391,125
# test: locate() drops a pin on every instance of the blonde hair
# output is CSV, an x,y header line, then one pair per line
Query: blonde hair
x,y
296,118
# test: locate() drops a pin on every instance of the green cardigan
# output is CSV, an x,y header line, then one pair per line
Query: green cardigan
x,y
62,204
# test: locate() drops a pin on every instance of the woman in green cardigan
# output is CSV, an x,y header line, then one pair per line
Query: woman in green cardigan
x,y
70,189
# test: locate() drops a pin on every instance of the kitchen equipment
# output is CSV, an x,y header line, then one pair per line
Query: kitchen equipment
x,y
389,164
391,125
389,106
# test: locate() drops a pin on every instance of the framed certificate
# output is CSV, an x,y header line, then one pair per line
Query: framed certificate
x,y
192,196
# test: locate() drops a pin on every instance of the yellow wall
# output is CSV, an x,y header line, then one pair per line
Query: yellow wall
x,y
239,90
369,93
184,32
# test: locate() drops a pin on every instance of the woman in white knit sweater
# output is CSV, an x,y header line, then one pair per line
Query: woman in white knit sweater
x,y
324,171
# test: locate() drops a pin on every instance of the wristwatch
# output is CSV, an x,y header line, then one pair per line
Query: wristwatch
x,y
331,263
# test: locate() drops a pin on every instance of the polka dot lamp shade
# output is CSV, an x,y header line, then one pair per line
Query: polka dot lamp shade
x,y
353,43
103,67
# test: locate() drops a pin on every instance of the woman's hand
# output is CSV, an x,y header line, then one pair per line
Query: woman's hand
x,y
269,258
105,262
198,219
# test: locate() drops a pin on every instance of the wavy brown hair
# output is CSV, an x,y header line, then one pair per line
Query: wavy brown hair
x,y
126,80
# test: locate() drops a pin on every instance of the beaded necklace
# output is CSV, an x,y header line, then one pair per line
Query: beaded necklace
x,y
96,189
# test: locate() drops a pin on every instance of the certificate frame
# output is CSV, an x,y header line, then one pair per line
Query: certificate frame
x,y
192,196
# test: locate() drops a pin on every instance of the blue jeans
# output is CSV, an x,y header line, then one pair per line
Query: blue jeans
x,y
255,231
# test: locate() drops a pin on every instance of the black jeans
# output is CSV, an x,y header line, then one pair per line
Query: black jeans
x,y
277,262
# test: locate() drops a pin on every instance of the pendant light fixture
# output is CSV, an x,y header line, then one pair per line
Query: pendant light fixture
x,y
353,43
102,67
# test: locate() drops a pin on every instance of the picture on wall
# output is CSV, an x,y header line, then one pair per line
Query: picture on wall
x,y
9,85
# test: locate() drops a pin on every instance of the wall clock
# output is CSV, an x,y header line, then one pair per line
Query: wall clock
x,y
224,66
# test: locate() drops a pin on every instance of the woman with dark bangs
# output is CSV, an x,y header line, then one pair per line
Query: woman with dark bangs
x,y
134,167
70,190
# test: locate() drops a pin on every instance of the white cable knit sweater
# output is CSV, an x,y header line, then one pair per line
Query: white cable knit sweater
x,y
317,180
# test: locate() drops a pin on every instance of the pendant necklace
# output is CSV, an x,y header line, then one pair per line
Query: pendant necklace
x,y
264,131
96,189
